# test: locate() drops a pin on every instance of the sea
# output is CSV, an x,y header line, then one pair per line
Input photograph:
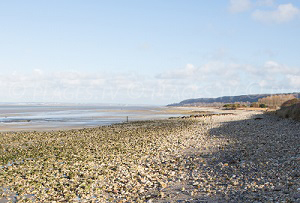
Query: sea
x,y
49,117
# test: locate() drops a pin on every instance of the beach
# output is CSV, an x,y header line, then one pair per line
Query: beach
x,y
246,156
47,117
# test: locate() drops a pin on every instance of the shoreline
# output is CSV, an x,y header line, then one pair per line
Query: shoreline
x,y
28,124
227,158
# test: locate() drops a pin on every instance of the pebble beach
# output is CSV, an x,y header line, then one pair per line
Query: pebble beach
x,y
246,156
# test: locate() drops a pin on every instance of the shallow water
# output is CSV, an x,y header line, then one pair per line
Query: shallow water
x,y
43,117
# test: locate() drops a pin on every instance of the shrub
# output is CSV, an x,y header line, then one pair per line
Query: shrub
x,y
290,102
263,106
254,104
232,106
226,105
276,101
292,112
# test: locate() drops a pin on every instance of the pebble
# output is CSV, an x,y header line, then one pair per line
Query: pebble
x,y
229,157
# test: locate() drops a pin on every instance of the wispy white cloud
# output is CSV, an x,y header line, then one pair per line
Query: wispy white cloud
x,y
203,72
188,71
283,13
237,6
266,11
273,67
265,2
220,75
212,79
294,80
273,75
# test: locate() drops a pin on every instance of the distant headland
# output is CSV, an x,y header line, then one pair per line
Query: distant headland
x,y
250,98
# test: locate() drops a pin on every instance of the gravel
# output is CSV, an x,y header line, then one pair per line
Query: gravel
x,y
225,158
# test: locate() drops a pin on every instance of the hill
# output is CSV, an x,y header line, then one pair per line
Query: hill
x,y
227,99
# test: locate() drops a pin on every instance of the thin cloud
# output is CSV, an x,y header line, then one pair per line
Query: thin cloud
x,y
272,67
237,6
284,13
265,2
188,71
208,80
281,13
294,81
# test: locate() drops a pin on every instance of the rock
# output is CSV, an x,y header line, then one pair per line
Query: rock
x,y
235,183
297,196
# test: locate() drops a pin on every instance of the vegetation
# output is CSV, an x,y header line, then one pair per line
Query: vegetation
x,y
292,112
258,105
275,101
263,106
234,106
250,98
290,102
290,109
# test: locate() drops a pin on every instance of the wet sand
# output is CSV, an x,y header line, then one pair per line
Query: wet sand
x,y
47,118
244,157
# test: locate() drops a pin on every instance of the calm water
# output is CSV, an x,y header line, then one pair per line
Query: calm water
x,y
14,117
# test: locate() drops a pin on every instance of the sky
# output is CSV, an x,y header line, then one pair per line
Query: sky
x,y
147,52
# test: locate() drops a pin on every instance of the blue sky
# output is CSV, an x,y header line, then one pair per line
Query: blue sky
x,y
147,52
